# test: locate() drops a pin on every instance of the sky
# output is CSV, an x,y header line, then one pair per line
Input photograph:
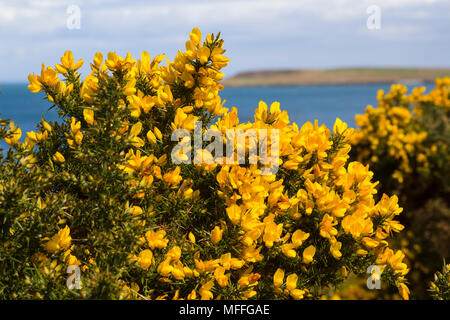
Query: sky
x,y
258,34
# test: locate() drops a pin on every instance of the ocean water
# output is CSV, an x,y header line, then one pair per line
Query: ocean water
x,y
306,103
303,103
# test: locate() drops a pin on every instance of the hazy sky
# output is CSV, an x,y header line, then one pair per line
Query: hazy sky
x,y
258,34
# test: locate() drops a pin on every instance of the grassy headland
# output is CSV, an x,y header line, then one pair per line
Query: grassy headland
x,y
335,76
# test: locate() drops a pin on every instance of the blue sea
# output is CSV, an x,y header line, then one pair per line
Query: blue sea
x,y
303,103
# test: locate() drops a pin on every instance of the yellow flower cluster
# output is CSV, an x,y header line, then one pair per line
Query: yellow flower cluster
x,y
440,286
269,212
396,135
438,96
405,142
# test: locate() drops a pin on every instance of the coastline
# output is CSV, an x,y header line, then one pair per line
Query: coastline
x,y
335,77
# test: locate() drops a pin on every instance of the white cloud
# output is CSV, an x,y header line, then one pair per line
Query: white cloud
x,y
255,31
7,14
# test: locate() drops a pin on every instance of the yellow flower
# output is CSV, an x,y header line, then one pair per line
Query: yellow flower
x,y
196,36
75,134
308,254
98,59
327,229
278,278
291,281
396,262
183,121
205,292
404,291
61,240
136,210
88,115
297,294
164,96
251,254
116,63
165,268
89,88
298,237
73,261
203,54
48,78
173,178
361,252
288,250
68,63
157,133
192,295
344,271
216,234
15,134
272,231
133,136
46,126
35,83
234,213
220,276
334,249
151,136
156,239
339,126
273,116
174,253
370,243
145,259
58,157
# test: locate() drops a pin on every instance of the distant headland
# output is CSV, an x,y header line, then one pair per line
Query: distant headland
x,y
336,76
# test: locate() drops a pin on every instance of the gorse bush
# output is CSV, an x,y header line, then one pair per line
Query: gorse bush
x,y
405,140
98,190
440,287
